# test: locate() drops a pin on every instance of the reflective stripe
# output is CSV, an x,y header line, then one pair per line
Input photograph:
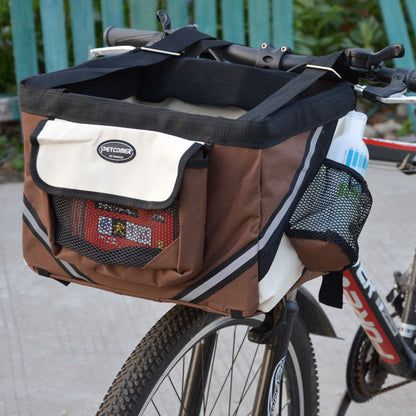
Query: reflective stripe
x,y
41,234
272,227
74,273
289,200
220,276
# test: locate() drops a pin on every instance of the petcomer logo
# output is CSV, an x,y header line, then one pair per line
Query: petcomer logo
x,y
116,151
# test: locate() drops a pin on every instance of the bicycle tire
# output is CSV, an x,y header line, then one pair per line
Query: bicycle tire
x,y
148,371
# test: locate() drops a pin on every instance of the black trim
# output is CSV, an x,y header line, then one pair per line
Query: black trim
x,y
266,255
64,282
268,252
134,256
90,70
292,89
43,272
331,291
201,162
226,281
328,236
47,247
236,314
295,118
27,222
29,225
35,214
77,94
351,250
212,273
352,172
103,197
80,273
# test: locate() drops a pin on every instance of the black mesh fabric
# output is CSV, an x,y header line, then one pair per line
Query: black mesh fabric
x,y
114,234
333,208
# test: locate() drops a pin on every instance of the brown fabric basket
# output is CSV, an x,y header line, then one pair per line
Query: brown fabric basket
x,y
147,177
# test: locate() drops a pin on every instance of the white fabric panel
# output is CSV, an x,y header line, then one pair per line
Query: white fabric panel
x,y
284,272
183,107
68,158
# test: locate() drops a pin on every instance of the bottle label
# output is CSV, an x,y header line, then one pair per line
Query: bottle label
x,y
357,161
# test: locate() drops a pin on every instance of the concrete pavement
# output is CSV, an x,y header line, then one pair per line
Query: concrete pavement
x,y
60,347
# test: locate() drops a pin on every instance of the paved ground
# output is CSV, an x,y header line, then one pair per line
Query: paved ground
x,y
60,347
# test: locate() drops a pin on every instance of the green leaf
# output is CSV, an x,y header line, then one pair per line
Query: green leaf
x,y
18,163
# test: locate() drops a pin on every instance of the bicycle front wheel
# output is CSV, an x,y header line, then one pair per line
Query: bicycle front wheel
x,y
196,363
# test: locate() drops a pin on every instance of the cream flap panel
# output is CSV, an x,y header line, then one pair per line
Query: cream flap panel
x,y
135,164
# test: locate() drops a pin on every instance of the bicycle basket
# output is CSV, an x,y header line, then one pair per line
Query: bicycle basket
x,y
163,177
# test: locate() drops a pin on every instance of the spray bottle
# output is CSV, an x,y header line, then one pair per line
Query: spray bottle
x,y
349,147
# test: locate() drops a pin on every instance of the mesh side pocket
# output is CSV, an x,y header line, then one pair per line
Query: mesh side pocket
x,y
333,209
114,234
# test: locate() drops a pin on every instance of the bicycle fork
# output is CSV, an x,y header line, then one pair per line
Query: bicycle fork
x,y
269,391
275,333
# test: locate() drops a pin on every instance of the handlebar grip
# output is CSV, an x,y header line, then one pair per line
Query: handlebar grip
x,y
114,36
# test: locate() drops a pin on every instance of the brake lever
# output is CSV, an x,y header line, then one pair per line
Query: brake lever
x,y
399,98
393,93
362,60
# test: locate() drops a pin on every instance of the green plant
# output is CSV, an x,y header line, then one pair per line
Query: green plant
x,y
407,128
11,150
323,27
4,148
18,163
7,77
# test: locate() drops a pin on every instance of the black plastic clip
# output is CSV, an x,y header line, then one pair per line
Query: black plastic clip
x,y
268,330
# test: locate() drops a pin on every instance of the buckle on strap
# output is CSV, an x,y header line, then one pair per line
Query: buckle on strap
x,y
324,68
144,48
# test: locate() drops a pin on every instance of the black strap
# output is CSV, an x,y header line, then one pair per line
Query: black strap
x,y
331,291
43,272
236,314
293,88
176,42
206,44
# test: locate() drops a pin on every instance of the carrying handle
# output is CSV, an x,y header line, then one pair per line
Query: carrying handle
x,y
173,45
294,87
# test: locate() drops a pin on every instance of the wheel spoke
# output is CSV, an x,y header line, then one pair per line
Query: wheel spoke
x,y
211,372
177,394
208,366
232,373
183,374
157,410
174,388
228,373
247,385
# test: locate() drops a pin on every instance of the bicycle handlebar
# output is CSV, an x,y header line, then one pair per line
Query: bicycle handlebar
x,y
357,63
114,36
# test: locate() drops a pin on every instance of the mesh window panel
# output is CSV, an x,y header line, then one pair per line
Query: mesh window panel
x,y
333,208
114,234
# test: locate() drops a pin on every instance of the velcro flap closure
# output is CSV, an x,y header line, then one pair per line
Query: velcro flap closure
x,y
140,168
